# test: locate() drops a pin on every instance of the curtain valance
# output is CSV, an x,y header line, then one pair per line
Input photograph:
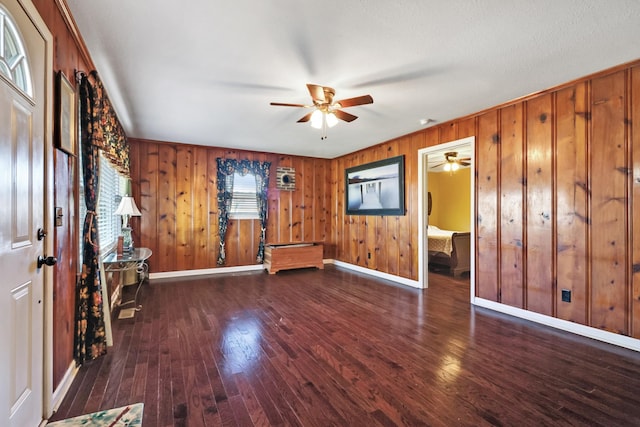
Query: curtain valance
x,y
107,132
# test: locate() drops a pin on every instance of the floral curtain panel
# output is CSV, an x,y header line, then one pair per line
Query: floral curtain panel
x,y
100,130
228,167
90,338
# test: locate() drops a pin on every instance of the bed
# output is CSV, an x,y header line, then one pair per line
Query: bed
x,y
449,249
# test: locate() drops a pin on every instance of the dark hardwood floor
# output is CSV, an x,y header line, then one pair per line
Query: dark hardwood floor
x,y
332,347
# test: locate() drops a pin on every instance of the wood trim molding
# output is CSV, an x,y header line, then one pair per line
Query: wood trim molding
x,y
61,391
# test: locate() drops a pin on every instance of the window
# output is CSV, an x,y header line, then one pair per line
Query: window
x,y
109,194
13,60
110,188
244,202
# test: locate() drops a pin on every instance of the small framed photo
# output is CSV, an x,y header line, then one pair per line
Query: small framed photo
x,y
65,120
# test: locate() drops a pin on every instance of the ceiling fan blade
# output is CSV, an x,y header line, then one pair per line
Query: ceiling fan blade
x,y
437,166
284,104
317,93
344,116
306,118
358,100
464,163
465,159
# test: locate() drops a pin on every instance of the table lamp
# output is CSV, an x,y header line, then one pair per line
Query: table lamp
x,y
127,208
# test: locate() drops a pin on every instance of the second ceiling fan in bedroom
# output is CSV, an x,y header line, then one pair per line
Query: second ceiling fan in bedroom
x,y
452,163
327,112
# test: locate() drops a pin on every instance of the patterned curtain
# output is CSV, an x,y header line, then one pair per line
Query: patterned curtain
x,y
261,172
90,340
225,168
108,135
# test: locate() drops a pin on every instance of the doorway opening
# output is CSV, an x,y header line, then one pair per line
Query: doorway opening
x,y
432,158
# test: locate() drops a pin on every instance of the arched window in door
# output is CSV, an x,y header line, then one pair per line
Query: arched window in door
x,y
13,59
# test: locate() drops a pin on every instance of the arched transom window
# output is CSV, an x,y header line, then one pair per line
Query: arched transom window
x,y
13,58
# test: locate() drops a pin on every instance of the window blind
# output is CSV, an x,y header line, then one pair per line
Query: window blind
x,y
109,195
244,203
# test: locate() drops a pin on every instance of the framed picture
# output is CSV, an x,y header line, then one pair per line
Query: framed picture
x,y
65,121
375,188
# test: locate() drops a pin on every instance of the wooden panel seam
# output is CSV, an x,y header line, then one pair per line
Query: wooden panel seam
x,y
589,267
554,204
525,207
629,192
499,204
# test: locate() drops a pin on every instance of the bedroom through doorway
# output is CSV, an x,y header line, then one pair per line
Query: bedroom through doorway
x,y
446,212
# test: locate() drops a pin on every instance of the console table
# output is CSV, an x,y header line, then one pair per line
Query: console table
x,y
136,260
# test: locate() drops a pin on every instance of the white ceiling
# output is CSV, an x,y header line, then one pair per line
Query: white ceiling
x,y
204,72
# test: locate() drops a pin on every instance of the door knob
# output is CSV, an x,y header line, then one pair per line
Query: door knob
x,y
48,260
41,234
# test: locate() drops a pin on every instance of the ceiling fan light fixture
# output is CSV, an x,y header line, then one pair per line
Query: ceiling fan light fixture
x,y
327,113
332,120
316,119
455,166
447,167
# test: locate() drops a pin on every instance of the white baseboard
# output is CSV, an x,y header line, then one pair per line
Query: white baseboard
x,y
258,267
205,271
376,273
564,325
60,392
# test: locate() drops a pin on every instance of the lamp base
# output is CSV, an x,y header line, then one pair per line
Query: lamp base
x,y
127,241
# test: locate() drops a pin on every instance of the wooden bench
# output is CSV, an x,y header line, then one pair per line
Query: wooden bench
x,y
285,256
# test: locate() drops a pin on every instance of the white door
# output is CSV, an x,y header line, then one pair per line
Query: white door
x,y
22,146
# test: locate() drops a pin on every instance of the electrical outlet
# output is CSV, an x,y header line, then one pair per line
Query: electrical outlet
x,y
566,295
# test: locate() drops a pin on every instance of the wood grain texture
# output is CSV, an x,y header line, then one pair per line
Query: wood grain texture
x,y
572,194
165,194
512,205
331,347
540,289
66,247
178,188
148,183
201,208
609,176
634,205
487,220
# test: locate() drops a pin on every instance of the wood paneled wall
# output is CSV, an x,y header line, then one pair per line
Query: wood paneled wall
x,y
175,186
387,243
68,56
557,196
557,189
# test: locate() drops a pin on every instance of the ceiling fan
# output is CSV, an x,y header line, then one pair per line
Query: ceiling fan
x,y
452,162
327,111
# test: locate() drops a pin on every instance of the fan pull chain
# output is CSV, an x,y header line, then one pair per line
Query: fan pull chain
x,y
324,128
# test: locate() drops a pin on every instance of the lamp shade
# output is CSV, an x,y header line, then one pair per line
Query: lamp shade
x,y
316,119
332,120
128,206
